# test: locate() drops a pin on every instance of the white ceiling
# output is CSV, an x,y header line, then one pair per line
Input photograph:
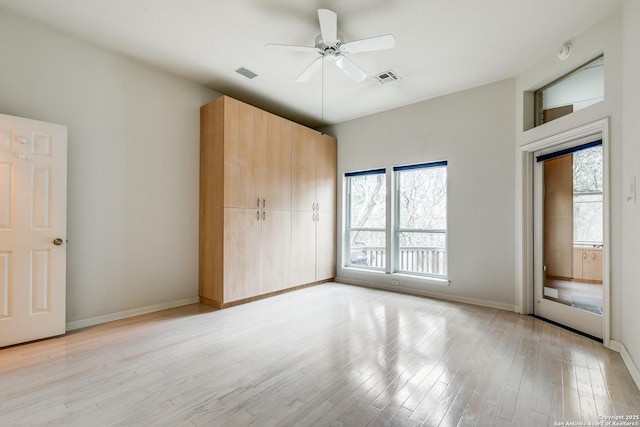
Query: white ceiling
x,y
442,46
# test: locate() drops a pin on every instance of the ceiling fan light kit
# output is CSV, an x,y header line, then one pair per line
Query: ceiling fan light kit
x,y
329,44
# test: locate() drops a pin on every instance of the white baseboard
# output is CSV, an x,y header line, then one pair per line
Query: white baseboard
x,y
423,293
83,323
628,360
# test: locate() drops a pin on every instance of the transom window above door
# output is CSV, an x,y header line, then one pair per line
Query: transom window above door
x,y
572,92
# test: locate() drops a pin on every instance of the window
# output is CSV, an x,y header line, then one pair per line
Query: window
x,y
587,196
366,219
417,232
420,232
572,92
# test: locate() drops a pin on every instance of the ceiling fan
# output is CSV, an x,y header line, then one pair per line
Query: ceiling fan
x,y
331,47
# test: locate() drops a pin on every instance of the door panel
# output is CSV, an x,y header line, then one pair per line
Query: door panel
x,y
326,174
277,178
260,150
5,285
242,252
325,245
303,247
6,185
326,211
276,250
577,263
40,285
592,264
5,135
40,197
304,154
241,155
33,173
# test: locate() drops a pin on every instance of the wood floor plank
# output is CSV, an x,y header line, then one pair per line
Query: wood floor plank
x,y
330,355
537,419
486,415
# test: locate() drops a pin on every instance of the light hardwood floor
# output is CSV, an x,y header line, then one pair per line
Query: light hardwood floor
x,y
327,355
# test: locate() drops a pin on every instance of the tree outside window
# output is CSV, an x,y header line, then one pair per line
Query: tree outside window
x,y
419,227
587,196
366,218
421,232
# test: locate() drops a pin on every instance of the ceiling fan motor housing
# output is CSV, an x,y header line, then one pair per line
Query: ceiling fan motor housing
x,y
329,51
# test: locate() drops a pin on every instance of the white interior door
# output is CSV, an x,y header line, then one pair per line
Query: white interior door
x,y
33,203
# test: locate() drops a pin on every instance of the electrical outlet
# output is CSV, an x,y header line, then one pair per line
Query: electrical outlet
x,y
395,282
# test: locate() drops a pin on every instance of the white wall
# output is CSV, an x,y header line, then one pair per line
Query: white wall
x,y
630,168
603,38
473,130
132,165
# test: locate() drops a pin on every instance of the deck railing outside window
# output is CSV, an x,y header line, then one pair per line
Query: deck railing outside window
x,y
426,260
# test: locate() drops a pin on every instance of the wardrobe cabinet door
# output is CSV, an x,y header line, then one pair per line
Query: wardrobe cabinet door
x,y
325,245
303,247
242,254
276,250
326,174
304,146
242,154
326,208
276,182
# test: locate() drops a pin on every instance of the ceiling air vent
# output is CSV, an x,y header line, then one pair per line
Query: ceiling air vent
x,y
247,73
387,77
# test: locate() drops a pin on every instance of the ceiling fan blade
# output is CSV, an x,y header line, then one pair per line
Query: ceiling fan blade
x,y
350,68
308,72
388,41
291,47
328,25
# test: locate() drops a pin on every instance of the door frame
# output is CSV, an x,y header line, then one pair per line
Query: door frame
x,y
525,218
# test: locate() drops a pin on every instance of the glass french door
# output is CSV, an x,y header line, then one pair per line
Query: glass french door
x,y
569,235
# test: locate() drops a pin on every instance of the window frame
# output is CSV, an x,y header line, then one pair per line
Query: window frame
x,y
349,229
397,230
538,94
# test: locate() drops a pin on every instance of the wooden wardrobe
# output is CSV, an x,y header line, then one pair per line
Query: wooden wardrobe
x,y
267,204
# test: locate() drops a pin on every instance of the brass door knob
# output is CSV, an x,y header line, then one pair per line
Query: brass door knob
x,y
57,241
